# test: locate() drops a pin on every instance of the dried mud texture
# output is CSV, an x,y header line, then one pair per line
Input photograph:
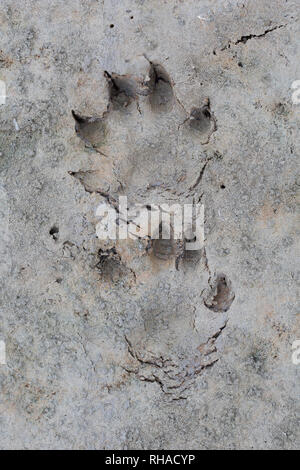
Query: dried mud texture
x,y
140,343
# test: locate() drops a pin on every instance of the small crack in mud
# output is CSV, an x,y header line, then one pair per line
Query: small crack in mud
x,y
246,38
200,177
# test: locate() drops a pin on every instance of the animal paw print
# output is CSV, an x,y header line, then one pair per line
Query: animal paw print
x,y
152,147
149,147
154,144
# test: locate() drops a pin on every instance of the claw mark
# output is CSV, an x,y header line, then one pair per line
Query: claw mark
x,y
123,89
161,90
92,181
92,130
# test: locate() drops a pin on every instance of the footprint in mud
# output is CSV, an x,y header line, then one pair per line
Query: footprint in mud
x,y
124,89
91,130
161,90
155,155
145,131
112,269
93,181
139,143
221,295
202,121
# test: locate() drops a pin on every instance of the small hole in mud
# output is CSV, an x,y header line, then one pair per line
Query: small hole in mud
x,y
112,26
222,186
131,17
54,232
240,64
